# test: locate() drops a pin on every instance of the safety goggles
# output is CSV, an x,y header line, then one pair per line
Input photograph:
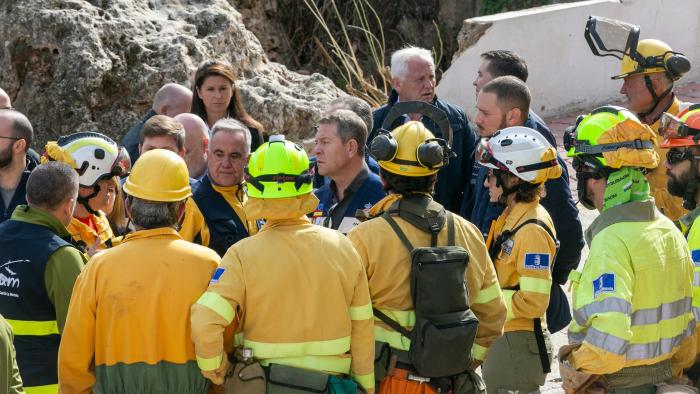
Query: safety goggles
x,y
484,155
675,156
672,127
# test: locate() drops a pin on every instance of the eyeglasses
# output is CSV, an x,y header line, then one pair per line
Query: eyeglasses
x,y
675,156
11,138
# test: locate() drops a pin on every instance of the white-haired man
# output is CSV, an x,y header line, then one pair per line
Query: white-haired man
x,y
413,79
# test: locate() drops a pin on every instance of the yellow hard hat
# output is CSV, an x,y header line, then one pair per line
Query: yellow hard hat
x,y
656,56
410,150
159,175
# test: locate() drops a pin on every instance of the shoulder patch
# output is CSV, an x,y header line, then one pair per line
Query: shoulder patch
x,y
537,261
604,284
217,275
695,254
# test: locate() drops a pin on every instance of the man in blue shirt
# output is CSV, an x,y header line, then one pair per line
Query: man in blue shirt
x,y
340,155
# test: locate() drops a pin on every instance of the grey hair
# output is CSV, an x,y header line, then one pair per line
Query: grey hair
x,y
400,58
232,125
153,214
50,184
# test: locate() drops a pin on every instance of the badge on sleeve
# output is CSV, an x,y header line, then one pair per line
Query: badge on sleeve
x,y
537,261
695,254
217,275
604,284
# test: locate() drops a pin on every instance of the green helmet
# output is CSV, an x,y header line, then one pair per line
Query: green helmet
x,y
278,169
598,137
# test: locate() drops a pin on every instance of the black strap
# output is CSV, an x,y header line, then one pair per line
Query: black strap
x,y
450,230
508,234
397,230
391,323
541,346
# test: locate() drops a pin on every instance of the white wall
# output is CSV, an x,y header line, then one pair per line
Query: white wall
x,y
564,75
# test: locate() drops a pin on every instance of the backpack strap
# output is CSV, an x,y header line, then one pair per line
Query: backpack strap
x,y
508,234
391,323
398,231
450,229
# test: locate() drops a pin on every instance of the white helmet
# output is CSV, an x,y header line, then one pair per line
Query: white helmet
x,y
93,155
520,151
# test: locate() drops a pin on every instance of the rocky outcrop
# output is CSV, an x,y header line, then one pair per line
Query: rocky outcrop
x,y
74,65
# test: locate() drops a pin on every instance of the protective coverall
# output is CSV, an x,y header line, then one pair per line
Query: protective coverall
x,y
523,266
127,329
632,301
388,266
295,291
85,234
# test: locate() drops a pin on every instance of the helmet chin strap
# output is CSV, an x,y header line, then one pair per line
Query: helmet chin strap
x,y
85,201
657,100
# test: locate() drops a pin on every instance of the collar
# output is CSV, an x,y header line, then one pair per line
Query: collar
x,y
515,215
236,190
25,213
166,232
688,219
635,211
354,186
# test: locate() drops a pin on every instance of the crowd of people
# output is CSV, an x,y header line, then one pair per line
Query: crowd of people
x,y
415,251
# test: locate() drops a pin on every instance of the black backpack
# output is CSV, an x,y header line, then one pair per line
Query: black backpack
x,y
445,327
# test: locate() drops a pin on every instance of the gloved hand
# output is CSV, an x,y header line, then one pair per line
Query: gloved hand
x,y
218,375
575,382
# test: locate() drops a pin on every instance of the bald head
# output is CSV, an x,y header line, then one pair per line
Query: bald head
x,y
196,143
172,99
15,124
5,102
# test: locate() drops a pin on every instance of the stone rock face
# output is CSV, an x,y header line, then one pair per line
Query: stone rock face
x,y
76,65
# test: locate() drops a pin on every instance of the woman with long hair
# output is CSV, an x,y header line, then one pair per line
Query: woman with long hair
x,y
215,96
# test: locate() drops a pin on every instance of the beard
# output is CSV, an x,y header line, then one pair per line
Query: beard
x,y
677,184
6,156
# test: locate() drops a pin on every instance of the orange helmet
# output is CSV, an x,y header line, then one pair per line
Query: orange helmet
x,y
683,130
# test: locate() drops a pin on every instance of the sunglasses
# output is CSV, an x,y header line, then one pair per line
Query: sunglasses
x,y
675,156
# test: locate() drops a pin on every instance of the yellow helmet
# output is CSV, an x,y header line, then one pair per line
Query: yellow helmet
x,y
654,56
159,175
410,150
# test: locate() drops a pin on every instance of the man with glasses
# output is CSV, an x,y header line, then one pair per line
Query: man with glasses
x,y
682,138
633,322
16,134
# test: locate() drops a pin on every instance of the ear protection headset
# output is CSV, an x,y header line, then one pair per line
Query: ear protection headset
x,y
432,153
676,65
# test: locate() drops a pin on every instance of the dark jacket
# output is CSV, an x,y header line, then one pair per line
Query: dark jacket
x,y
19,198
453,180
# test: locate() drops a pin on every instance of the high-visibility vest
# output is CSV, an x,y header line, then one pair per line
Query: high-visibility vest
x,y
24,251
225,227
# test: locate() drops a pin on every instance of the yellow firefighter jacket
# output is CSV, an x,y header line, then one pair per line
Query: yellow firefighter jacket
x,y
297,293
525,262
388,266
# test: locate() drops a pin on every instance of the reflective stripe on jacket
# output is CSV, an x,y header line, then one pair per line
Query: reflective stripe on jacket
x,y
632,301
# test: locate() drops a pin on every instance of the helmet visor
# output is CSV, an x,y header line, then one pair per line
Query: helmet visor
x,y
611,37
484,155
122,165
